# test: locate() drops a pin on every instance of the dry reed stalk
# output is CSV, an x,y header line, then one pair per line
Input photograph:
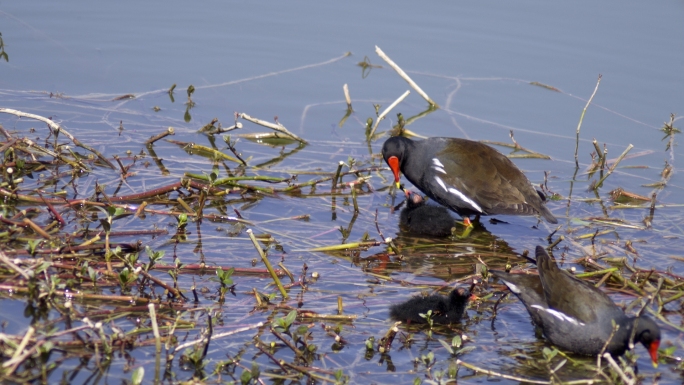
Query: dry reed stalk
x,y
405,76
386,111
612,168
345,88
56,128
579,125
277,127
169,131
271,271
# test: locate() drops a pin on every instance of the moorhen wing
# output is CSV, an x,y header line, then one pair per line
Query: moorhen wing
x,y
575,315
470,178
445,310
420,218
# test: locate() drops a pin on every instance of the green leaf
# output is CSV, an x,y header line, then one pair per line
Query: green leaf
x,y
105,225
291,317
32,245
182,220
245,377
465,349
111,210
46,347
549,353
132,258
41,268
446,346
137,376
255,370
224,276
92,273
669,350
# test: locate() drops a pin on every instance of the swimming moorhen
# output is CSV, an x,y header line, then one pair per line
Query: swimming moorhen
x,y
576,316
470,178
445,310
420,218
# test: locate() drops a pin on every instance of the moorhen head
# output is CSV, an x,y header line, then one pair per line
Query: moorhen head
x,y
445,310
420,218
468,177
575,315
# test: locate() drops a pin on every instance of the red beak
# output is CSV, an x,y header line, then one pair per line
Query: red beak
x,y
393,163
653,351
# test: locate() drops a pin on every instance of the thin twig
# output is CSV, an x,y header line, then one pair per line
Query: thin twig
x,y
337,174
169,131
616,367
217,336
155,328
387,110
57,128
345,88
497,374
272,126
11,265
37,229
579,125
605,346
377,226
405,77
271,271
612,168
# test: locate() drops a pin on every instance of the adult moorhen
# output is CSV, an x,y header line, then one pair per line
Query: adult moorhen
x,y
445,310
470,178
420,218
575,315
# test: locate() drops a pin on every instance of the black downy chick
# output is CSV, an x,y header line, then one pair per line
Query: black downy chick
x,y
423,219
445,309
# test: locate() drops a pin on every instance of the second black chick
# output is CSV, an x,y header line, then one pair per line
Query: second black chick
x,y
420,218
445,310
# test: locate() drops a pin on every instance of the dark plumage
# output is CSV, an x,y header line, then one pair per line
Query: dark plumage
x,y
576,316
445,310
470,178
420,218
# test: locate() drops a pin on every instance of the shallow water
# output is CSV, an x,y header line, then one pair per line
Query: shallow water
x,y
286,60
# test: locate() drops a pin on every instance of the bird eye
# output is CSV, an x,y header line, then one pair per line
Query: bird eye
x,y
645,336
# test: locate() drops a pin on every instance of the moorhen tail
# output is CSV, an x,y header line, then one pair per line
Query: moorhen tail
x,y
576,316
420,218
445,310
470,178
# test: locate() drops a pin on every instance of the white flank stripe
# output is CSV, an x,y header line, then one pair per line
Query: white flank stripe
x,y
457,193
559,315
512,287
441,183
465,198
437,163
